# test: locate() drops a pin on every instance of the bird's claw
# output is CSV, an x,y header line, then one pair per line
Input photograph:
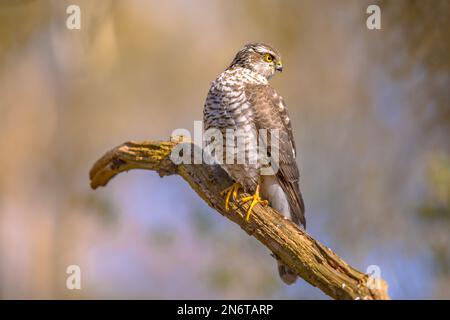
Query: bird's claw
x,y
255,198
233,190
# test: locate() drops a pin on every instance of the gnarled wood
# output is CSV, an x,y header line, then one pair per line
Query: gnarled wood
x,y
312,261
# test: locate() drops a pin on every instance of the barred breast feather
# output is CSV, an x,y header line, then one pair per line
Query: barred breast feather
x,y
227,107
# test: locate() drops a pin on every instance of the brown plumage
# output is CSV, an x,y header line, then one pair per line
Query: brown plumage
x,y
271,113
242,98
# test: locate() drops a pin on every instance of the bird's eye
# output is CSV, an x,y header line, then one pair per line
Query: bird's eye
x,y
268,57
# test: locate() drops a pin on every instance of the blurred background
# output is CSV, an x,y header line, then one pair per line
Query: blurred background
x,y
371,117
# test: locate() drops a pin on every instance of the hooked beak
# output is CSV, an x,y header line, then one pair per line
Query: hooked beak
x,y
279,66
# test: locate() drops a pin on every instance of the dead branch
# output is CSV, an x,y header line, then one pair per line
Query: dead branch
x,y
312,261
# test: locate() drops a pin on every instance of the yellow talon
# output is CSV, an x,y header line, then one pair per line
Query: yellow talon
x,y
254,199
233,190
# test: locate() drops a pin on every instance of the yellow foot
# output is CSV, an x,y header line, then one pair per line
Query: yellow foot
x,y
254,200
233,190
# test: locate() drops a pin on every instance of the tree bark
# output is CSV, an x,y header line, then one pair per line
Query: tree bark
x,y
314,262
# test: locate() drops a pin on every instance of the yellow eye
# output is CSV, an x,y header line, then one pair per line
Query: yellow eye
x,y
268,57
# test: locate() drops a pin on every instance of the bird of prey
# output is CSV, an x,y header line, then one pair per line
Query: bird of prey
x,y
242,99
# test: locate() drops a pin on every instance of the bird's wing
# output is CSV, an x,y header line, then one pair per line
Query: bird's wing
x,y
271,113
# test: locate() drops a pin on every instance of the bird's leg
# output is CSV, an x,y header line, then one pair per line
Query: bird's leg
x,y
254,200
233,190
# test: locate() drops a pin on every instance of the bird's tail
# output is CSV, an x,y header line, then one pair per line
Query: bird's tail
x,y
286,274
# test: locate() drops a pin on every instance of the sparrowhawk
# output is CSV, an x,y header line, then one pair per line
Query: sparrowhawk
x,y
242,99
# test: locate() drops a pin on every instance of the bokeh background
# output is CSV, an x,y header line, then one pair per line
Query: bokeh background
x,y
371,116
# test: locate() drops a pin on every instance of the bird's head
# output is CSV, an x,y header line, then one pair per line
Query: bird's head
x,y
260,58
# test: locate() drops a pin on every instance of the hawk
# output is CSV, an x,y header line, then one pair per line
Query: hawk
x,y
242,99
